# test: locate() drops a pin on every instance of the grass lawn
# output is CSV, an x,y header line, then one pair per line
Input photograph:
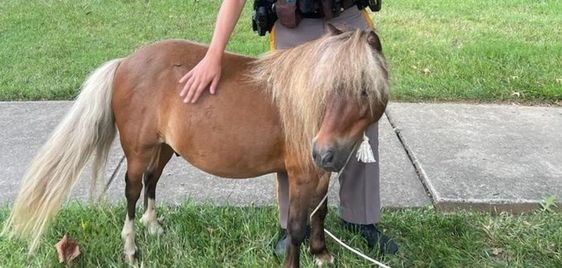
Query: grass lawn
x,y
211,236
446,50
477,51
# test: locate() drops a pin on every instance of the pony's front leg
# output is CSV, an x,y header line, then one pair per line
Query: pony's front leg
x,y
301,193
317,238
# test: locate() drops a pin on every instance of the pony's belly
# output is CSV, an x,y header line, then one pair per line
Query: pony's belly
x,y
236,172
237,151
235,134
233,165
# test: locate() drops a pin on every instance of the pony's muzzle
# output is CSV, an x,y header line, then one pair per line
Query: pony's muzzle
x,y
328,159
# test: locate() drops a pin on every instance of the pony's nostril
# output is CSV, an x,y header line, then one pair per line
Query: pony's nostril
x,y
328,157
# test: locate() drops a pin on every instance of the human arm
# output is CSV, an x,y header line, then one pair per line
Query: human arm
x,y
208,70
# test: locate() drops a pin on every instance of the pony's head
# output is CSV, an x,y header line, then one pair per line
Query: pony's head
x,y
328,91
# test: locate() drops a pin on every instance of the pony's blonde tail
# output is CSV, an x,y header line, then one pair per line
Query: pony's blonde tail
x,y
88,128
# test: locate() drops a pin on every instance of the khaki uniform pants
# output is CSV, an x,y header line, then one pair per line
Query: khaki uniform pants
x,y
359,182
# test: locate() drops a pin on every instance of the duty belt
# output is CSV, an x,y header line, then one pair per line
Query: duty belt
x,y
317,14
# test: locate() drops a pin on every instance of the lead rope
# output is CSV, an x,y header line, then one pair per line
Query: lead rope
x,y
365,155
113,175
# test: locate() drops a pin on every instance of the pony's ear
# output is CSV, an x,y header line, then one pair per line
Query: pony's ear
x,y
332,30
374,41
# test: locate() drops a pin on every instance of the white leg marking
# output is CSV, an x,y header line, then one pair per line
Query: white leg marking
x,y
323,260
128,236
149,219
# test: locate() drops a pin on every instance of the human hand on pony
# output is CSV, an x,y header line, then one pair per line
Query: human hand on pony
x,y
207,71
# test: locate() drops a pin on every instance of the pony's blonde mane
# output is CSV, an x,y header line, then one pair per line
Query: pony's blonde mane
x,y
301,78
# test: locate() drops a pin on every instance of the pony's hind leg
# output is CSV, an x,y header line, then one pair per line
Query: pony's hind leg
x,y
151,178
132,192
137,164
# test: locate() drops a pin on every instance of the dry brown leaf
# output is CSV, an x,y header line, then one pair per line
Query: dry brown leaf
x,y
67,249
497,251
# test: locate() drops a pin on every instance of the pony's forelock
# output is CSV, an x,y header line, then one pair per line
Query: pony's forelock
x,y
300,79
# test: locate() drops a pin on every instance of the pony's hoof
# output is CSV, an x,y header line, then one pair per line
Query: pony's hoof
x,y
131,260
144,219
154,228
130,252
323,259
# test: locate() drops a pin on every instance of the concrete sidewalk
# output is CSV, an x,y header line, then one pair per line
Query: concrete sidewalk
x,y
490,157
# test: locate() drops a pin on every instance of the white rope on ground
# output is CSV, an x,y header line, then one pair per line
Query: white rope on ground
x,y
357,252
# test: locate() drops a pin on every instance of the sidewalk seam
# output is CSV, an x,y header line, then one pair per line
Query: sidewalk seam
x,y
420,172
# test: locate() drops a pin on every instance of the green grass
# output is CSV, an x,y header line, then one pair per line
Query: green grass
x,y
474,50
211,236
489,51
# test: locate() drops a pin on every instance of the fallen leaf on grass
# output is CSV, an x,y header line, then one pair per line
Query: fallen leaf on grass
x,y
67,249
497,251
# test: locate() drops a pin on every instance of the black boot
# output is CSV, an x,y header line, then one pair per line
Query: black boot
x,y
283,240
373,236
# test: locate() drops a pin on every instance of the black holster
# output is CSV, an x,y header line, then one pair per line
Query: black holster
x,y
264,16
374,5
